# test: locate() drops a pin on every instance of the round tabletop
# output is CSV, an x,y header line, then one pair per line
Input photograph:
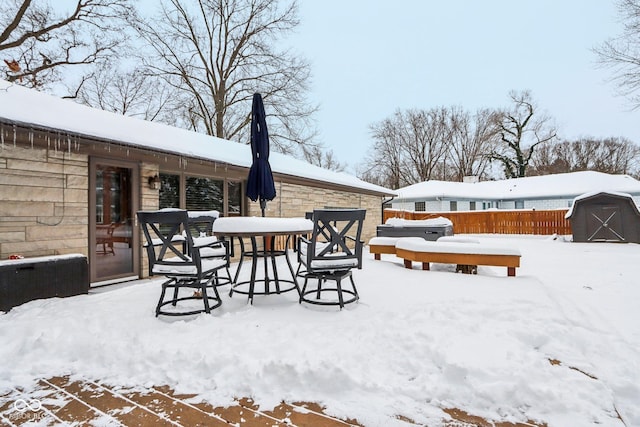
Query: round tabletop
x,y
243,226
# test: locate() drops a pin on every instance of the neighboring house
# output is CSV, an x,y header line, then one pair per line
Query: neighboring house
x,y
73,177
536,192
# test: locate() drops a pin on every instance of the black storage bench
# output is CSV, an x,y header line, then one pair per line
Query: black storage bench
x,y
27,279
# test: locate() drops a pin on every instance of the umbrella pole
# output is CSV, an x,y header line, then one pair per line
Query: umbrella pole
x,y
263,205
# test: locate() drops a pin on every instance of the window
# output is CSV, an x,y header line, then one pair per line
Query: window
x,y
453,206
234,199
204,194
420,207
201,193
472,206
519,204
169,191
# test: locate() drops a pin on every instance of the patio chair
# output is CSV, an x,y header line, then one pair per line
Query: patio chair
x,y
201,224
104,237
174,255
331,253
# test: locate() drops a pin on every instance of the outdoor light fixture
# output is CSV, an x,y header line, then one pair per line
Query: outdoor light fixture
x,y
154,182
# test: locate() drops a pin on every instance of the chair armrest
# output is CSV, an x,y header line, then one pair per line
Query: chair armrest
x,y
210,241
214,249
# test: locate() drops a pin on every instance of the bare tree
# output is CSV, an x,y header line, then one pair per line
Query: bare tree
x,y
325,158
551,159
609,155
408,147
425,138
38,41
520,133
383,163
622,53
131,93
473,139
218,53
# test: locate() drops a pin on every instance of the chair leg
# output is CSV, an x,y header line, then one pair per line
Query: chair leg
x,y
355,291
215,290
205,297
320,279
304,288
164,290
339,290
175,295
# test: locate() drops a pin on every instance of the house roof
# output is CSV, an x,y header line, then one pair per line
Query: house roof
x,y
26,106
567,185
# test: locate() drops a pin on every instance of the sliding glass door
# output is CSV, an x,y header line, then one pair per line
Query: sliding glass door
x,y
113,249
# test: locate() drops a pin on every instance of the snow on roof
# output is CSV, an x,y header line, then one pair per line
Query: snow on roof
x,y
595,193
19,104
546,186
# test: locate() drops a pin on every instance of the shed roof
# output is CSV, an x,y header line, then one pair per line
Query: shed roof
x,y
568,185
27,106
600,195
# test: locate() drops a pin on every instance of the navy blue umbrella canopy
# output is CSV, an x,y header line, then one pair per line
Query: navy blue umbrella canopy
x,y
260,183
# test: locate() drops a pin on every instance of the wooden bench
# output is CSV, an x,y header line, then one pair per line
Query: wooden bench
x,y
382,245
461,254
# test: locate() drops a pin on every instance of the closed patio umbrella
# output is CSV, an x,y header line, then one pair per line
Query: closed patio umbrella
x,y
260,183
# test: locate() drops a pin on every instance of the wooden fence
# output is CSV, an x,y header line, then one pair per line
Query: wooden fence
x,y
521,221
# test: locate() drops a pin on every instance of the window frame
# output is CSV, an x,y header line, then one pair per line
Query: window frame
x,y
183,178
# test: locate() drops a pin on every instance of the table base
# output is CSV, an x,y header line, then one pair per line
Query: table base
x,y
269,256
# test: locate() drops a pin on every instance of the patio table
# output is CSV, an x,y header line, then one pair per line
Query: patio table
x,y
265,229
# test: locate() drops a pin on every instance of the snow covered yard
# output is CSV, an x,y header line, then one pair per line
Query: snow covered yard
x,y
557,344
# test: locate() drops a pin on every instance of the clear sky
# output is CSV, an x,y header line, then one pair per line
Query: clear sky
x,y
371,57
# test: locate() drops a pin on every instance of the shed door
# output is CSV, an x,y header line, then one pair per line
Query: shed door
x,y
604,224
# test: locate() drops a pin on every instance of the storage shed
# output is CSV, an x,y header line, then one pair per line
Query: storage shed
x,y
605,217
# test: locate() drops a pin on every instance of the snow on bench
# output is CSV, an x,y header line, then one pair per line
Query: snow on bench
x,y
383,245
458,239
464,255
387,245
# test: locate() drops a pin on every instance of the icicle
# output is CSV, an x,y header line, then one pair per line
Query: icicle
x,y
14,136
69,145
31,137
2,137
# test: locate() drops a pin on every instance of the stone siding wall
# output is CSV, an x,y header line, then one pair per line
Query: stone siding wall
x,y
294,200
43,202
